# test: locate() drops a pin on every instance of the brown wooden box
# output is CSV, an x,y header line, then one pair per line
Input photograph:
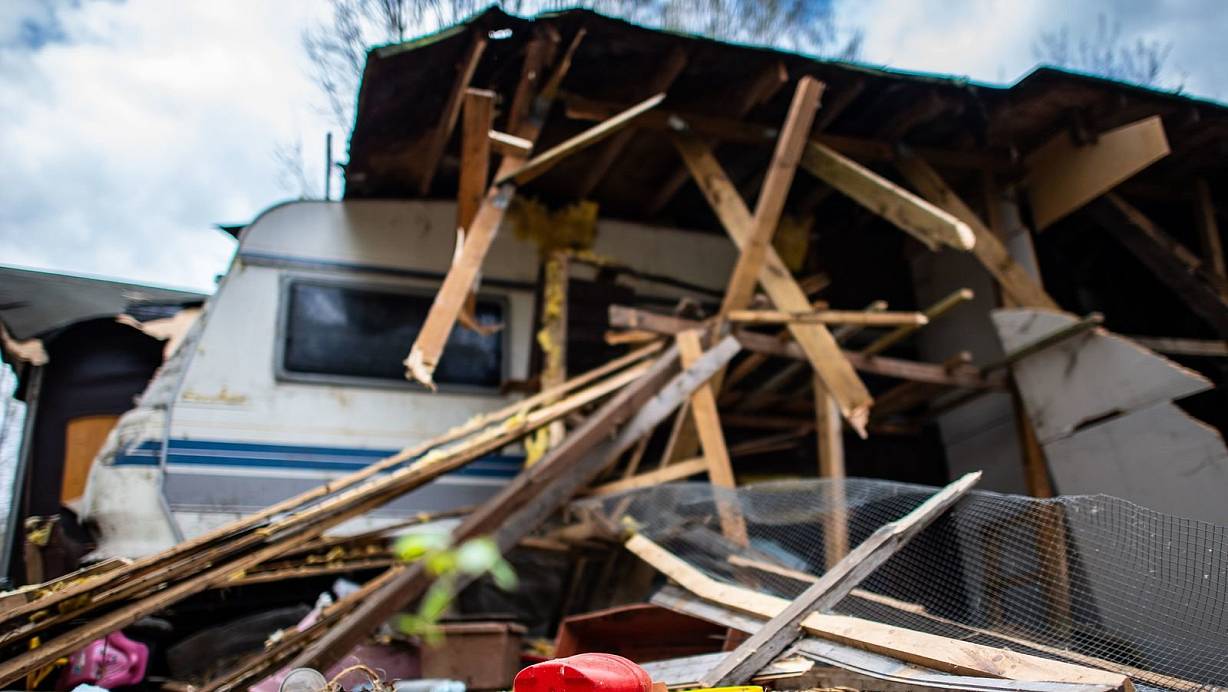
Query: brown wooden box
x,y
483,655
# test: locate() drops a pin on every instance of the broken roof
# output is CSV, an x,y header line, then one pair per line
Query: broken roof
x,y
867,111
33,303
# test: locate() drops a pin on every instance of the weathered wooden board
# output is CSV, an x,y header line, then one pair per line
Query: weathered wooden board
x,y
1062,175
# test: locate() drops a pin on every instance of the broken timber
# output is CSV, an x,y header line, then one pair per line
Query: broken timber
x,y
779,632
815,341
929,650
428,346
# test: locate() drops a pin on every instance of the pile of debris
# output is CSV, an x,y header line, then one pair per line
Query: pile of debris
x,y
693,373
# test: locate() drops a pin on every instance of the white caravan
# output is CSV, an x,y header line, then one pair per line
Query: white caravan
x,y
293,373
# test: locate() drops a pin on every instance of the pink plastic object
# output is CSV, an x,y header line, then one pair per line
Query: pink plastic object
x,y
113,661
584,673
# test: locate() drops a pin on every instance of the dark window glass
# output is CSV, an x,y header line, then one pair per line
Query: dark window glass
x,y
360,332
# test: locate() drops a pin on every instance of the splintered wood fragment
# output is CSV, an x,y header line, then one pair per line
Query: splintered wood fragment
x,y
932,312
1063,175
1023,288
527,117
867,318
816,342
479,112
836,583
674,472
551,157
509,145
913,215
772,195
452,107
712,440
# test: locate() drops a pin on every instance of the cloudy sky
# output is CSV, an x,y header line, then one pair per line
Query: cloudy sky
x,y
128,128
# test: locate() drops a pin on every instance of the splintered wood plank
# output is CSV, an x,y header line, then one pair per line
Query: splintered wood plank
x,y
784,628
711,439
479,113
933,312
551,157
447,123
772,195
1063,175
817,343
510,145
1023,288
930,650
913,215
829,438
527,117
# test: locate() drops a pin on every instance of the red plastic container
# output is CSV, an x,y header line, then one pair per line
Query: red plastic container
x,y
584,673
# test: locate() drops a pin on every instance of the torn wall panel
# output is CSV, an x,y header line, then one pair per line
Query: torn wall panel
x,y
1087,377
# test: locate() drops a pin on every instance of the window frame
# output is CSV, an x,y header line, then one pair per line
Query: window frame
x,y
282,374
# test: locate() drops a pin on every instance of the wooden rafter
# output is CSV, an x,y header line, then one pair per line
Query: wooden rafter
x,y
735,130
763,88
772,196
666,74
452,107
1016,282
458,283
920,219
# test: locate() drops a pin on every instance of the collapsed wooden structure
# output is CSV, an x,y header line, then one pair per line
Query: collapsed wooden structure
x,y
656,126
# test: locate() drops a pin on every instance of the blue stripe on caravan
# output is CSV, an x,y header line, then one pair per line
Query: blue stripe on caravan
x,y
254,455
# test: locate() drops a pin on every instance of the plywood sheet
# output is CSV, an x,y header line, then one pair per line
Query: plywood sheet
x,y
1086,377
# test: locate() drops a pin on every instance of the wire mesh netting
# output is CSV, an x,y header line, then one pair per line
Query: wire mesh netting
x,y
1090,579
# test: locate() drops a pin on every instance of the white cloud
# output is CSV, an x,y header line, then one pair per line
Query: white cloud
x,y
150,121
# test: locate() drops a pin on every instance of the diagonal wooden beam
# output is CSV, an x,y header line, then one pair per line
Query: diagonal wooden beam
x,y
820,348
447,122
772,196
711,439
479,113
449,300
1172,263
665,76
1015,281
913,215
785,627
1208,230
551,157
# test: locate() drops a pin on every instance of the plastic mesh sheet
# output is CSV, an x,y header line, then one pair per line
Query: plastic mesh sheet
x,y
1093,580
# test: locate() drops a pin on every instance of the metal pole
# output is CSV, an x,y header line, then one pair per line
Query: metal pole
x,y
12,526
328,167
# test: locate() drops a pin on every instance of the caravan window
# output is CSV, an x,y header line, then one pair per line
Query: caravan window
x,y
336,331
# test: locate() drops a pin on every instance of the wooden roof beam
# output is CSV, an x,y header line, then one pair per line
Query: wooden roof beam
x,y
763,88
451,112
734,129
666,75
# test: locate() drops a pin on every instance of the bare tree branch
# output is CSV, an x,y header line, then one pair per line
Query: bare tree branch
x,y
1105,53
